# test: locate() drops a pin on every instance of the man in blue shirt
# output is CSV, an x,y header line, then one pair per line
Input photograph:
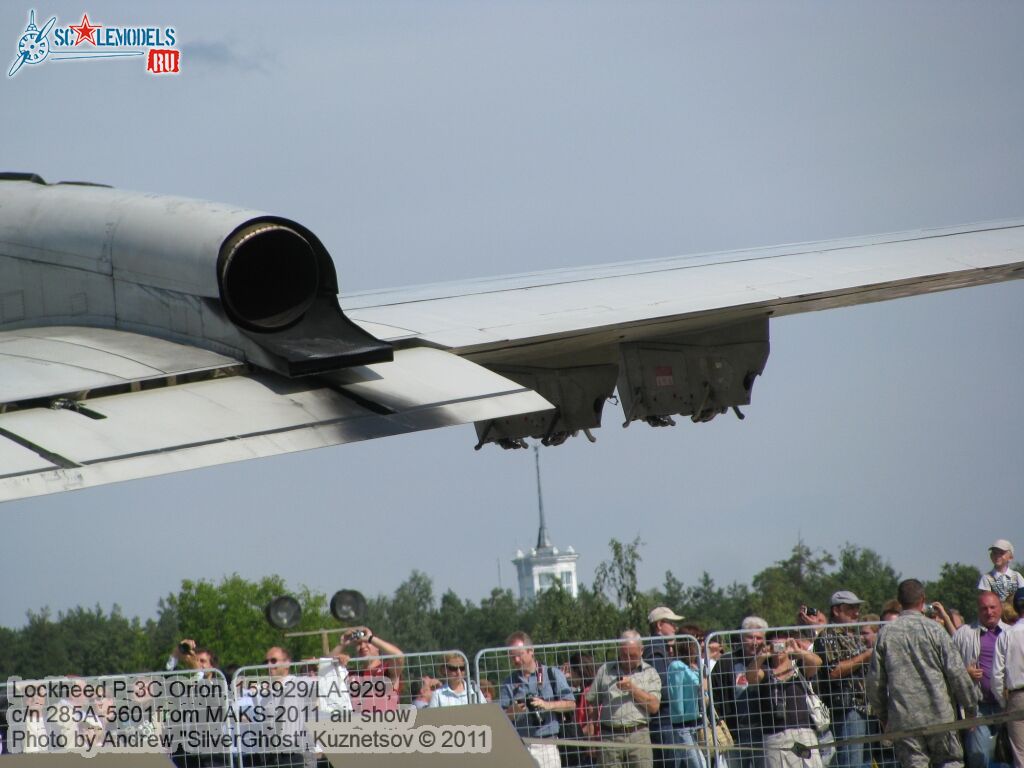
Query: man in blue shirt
x,y
532,695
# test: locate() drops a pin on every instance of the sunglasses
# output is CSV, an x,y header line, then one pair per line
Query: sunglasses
x,y
273,660
454,667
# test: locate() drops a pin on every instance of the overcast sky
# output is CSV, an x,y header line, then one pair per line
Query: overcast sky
x,y
429,141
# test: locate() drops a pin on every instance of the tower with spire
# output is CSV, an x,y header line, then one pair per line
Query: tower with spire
x,y
544,565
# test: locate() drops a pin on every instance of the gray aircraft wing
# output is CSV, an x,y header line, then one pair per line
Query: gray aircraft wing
x,y
142,334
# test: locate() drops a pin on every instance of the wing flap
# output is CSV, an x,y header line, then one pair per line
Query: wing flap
x,y
16,459
220,420
55,361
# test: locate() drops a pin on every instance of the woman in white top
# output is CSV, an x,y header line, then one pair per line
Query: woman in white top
x,y
455,691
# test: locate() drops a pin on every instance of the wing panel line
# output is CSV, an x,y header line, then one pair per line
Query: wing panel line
x,y
54,458
274,431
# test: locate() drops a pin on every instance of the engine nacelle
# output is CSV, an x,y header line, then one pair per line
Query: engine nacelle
x,y
237,281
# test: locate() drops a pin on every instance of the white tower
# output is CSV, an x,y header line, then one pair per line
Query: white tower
x,y
545,564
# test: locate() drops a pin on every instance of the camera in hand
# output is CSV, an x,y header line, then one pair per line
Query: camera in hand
x,y
184,649
812,611
533,712
359,634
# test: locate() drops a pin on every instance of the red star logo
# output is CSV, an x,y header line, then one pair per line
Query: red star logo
x,y
86,32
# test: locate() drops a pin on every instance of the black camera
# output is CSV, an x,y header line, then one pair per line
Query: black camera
x,y
184,649
533,712
812,611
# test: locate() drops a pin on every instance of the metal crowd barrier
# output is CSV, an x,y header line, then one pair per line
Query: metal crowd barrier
x,y
591,724
183,714
743,719
770,716
277,702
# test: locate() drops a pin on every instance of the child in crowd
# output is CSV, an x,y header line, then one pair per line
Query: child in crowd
x,y
1002,579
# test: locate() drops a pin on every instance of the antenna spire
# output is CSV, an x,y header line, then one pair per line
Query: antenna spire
x,y
543,542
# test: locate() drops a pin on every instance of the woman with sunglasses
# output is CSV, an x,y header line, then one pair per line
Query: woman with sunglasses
x,y
455,691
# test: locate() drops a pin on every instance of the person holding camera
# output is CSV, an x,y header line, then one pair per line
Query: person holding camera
x,y
778,676
188,655
532,696
841,681
626,694
374,659
731,693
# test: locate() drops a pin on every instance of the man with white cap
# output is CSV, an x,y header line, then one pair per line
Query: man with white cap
x,y
841,679
1002,579
662,622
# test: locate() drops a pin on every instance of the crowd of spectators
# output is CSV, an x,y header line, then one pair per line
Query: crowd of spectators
x,y
839,688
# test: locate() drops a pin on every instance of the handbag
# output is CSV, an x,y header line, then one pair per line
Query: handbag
x,y
1002,751
821,718
707,738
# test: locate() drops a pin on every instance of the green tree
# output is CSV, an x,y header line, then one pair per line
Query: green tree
x,y
956,587
80,641
500,616
100,644
781,588
557,617
704,604
617,578
229,618
161,634
12,662
453,622
43,648
863,572
673,592
410,614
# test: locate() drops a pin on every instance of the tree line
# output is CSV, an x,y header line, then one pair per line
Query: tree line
x,y
228,617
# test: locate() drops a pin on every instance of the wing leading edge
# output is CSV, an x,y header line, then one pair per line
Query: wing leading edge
x,y
488,318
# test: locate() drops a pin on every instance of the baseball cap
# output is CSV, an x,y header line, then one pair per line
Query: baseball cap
x,y
661,613
845,597
1002,544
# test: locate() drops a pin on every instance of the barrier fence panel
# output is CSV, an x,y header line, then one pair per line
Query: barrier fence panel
x,y
184,714
761,697
276,702
780,690
606,694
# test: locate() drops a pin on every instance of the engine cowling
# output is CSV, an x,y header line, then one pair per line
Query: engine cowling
x,y
230,279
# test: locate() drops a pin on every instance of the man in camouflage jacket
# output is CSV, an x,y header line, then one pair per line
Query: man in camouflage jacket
x,y
916,678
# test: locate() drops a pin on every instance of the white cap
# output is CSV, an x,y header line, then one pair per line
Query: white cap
x,y
1002,544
